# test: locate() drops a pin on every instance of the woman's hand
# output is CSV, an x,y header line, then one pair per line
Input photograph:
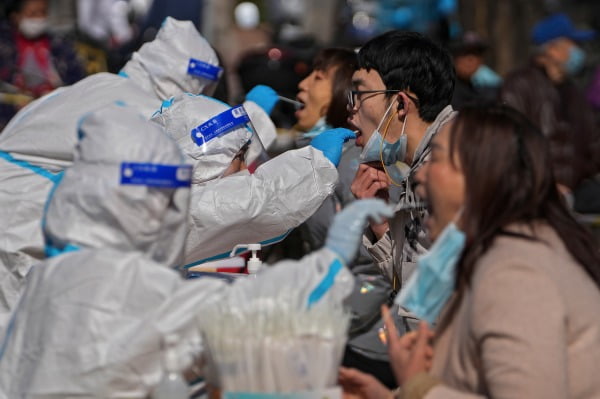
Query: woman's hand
x,y
359,385
411,353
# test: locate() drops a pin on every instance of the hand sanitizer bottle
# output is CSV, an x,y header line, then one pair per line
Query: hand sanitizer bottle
x,y
254,263
172,385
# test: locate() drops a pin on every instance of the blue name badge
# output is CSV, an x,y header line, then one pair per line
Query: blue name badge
x,y
220,124
204,70
156,175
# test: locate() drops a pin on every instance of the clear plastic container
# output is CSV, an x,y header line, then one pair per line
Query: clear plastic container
x,y
172,385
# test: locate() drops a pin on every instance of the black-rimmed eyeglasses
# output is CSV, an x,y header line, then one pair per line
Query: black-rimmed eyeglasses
x,y
354,96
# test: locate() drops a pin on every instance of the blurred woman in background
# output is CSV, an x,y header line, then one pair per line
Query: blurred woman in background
x,y
33,61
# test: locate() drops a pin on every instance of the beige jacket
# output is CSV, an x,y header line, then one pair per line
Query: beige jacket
x,y
529,326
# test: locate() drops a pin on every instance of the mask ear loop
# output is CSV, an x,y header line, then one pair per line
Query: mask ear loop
x,y
394,182
458,215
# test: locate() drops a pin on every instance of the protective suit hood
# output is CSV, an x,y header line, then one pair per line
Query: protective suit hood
x,y
93,206
163,65
184,113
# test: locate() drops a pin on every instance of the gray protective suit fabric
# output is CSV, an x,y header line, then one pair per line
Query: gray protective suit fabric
x,y
124,217
22,243
244,207
38,143
24,188
35,148
260,207
161,66
25,185
44,133
90,325
95,316
91,321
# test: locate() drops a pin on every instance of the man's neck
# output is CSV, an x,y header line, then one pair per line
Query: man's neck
x,y
415,130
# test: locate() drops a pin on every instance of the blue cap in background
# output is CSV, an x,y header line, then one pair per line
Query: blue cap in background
x,y
559,25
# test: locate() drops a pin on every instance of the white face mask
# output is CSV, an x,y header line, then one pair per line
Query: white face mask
x,y
32,28
378,149
432,283
390,154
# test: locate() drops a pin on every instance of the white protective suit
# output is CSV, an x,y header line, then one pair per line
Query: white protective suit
x,y
38,143
92,319
242,208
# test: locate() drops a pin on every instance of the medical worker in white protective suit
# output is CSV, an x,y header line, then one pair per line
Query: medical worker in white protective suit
x,y
242,207
92,318
38,143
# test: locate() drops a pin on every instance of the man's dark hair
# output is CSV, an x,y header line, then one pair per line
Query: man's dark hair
x,y
410,61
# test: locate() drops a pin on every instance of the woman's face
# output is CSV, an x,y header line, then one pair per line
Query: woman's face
x,y
441,184
315,94
33,9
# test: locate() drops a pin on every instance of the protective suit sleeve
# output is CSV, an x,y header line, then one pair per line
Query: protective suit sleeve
x,y
262,207
23,193
44,134
318,277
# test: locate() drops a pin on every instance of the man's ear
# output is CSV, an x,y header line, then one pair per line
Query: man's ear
x,y
404,104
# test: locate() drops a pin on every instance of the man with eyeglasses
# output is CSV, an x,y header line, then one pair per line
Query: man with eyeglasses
x,y
400,98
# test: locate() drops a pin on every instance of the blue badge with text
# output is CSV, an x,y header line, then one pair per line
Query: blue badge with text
x,y
204,70
156,175
220,124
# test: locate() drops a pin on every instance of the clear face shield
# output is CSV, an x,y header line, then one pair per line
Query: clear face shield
x,y
231,130
205,76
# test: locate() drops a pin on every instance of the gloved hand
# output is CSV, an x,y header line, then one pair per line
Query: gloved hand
x,y
264,96
331,143
347,228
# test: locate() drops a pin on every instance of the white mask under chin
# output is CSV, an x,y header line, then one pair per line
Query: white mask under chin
x,y
32,28
377,148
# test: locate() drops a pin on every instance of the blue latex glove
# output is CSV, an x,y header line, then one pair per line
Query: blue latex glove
x,y
331,142
264,96
345,233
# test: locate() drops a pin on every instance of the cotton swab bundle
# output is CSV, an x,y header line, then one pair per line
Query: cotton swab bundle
x,y
269,346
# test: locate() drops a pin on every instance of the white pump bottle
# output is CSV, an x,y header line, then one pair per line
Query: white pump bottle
x,y
254,263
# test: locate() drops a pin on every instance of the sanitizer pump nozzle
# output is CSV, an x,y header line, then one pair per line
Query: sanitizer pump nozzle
x,y
254,263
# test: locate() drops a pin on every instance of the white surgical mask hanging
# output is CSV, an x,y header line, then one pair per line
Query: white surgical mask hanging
x,y
431,285
391,155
